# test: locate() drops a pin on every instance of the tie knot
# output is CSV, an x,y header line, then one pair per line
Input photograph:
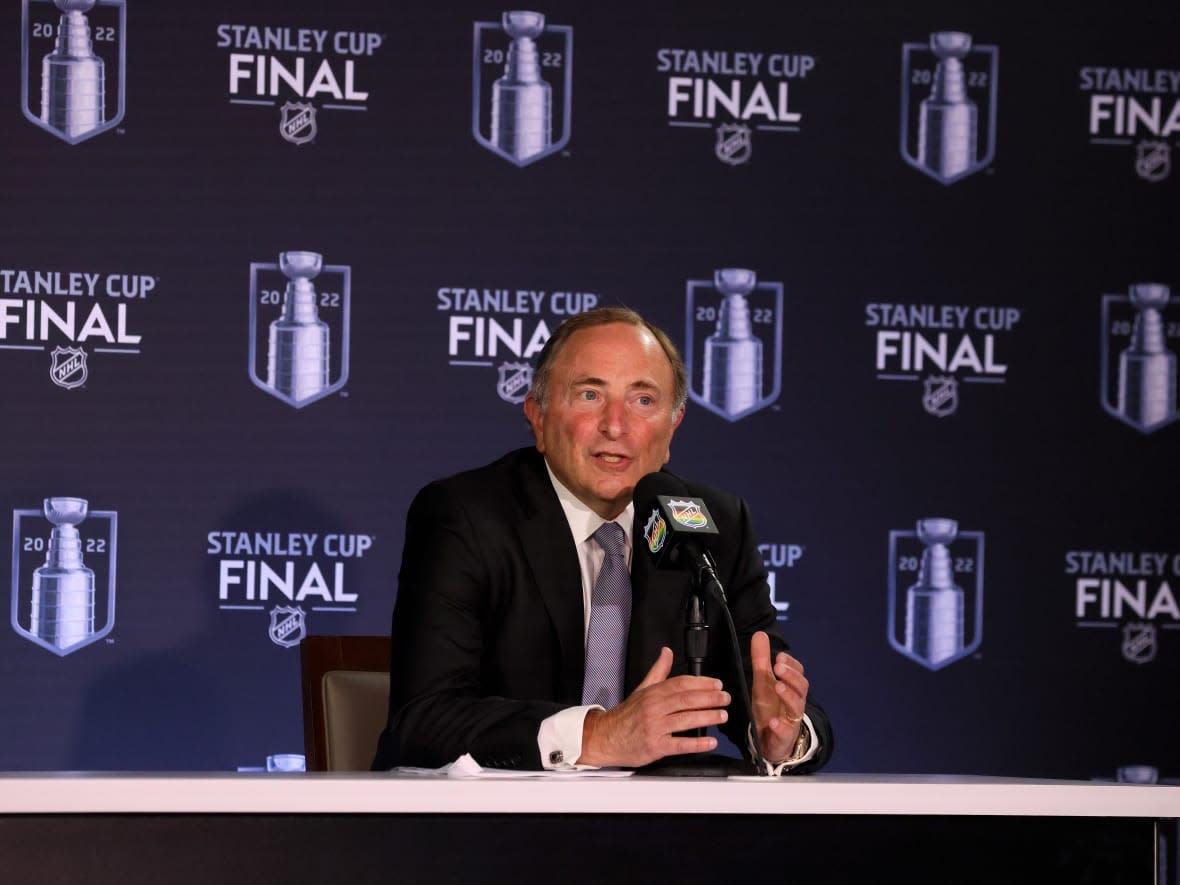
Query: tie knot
x,y
611,538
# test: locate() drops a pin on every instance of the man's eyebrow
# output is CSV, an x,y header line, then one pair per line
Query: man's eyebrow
x,y
644,384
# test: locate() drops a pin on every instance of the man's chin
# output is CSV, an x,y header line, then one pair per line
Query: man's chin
x,y
615,496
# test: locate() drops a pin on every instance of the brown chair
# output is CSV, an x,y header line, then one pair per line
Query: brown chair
x,y
345,699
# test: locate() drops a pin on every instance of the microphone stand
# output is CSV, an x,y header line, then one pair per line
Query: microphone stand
x,y
696,633
696,650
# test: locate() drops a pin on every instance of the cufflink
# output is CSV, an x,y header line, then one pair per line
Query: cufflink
x,y
556,757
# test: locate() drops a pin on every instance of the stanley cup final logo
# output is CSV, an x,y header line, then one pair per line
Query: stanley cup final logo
x,y
299,327
733,342
1138,366
1133,107
521,93
935,592
63,574
73,63
948,105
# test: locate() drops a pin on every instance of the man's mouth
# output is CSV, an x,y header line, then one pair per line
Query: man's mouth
x,y
611,458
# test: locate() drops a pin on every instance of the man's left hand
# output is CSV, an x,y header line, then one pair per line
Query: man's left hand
x,y
779,697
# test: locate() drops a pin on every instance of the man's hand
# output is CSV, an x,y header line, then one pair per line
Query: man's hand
x,y
642,728
779,697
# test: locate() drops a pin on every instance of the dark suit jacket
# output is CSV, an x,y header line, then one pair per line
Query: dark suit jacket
x,y
488,627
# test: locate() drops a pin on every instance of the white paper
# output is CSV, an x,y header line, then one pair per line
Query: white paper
x,y
465,767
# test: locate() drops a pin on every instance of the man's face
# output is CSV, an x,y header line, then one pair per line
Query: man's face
x,y
609,419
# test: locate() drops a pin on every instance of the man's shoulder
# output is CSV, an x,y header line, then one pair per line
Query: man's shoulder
x,y
503,469
712,496
505,482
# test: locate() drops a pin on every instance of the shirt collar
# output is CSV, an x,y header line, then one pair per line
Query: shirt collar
x,y
583,521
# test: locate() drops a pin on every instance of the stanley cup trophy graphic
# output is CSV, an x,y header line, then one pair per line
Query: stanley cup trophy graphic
x,y
949,90
516,113
733,356
522,116
63,588
1147,369
297,360
934,605
73,78
732,371
948,125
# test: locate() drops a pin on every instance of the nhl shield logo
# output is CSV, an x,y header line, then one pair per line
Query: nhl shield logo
x,y
948,105
73,66
1153,160
1139,642
734,146
63,574
688,513
515,381
288,625
297,122
734,342
935,592
299,327
940,395
655,532
522,86
67,367
1138,378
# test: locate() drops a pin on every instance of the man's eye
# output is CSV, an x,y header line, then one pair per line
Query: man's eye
x,y
589,395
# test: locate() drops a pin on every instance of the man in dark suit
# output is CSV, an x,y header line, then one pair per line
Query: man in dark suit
x,y
499,569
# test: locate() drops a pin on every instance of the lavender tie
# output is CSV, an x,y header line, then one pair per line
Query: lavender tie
x,y
610,613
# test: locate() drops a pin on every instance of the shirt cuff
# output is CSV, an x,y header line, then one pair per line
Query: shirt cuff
x,y
560,739
774,769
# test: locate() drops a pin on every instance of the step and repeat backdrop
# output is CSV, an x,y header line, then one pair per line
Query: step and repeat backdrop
x,y
268,268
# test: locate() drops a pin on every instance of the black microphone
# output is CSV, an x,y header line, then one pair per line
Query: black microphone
x,y
677,532
677,529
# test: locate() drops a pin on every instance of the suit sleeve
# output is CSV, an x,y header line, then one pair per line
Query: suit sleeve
x,y
752,610
442,702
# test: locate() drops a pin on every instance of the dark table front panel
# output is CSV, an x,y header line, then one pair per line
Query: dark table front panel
x,y
97,849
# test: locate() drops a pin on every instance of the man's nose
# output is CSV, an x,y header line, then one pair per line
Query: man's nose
x,y
613,423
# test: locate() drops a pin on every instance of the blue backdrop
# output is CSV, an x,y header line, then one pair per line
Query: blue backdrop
x,y
960,221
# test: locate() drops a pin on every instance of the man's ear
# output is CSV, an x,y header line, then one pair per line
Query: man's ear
x,y
676,419
536,418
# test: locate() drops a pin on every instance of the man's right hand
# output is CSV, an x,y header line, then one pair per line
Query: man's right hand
x,y
643,728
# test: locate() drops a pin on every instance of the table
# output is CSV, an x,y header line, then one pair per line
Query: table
x,y
354,828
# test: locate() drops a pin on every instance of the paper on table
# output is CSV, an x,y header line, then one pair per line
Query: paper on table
x,y
466,767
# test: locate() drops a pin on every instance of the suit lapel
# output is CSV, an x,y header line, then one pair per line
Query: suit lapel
x,y
552,556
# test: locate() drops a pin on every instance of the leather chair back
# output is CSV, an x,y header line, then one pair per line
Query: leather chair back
x,y
345,681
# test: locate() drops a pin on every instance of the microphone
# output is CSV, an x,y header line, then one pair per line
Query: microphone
x,y
677,529
677,532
